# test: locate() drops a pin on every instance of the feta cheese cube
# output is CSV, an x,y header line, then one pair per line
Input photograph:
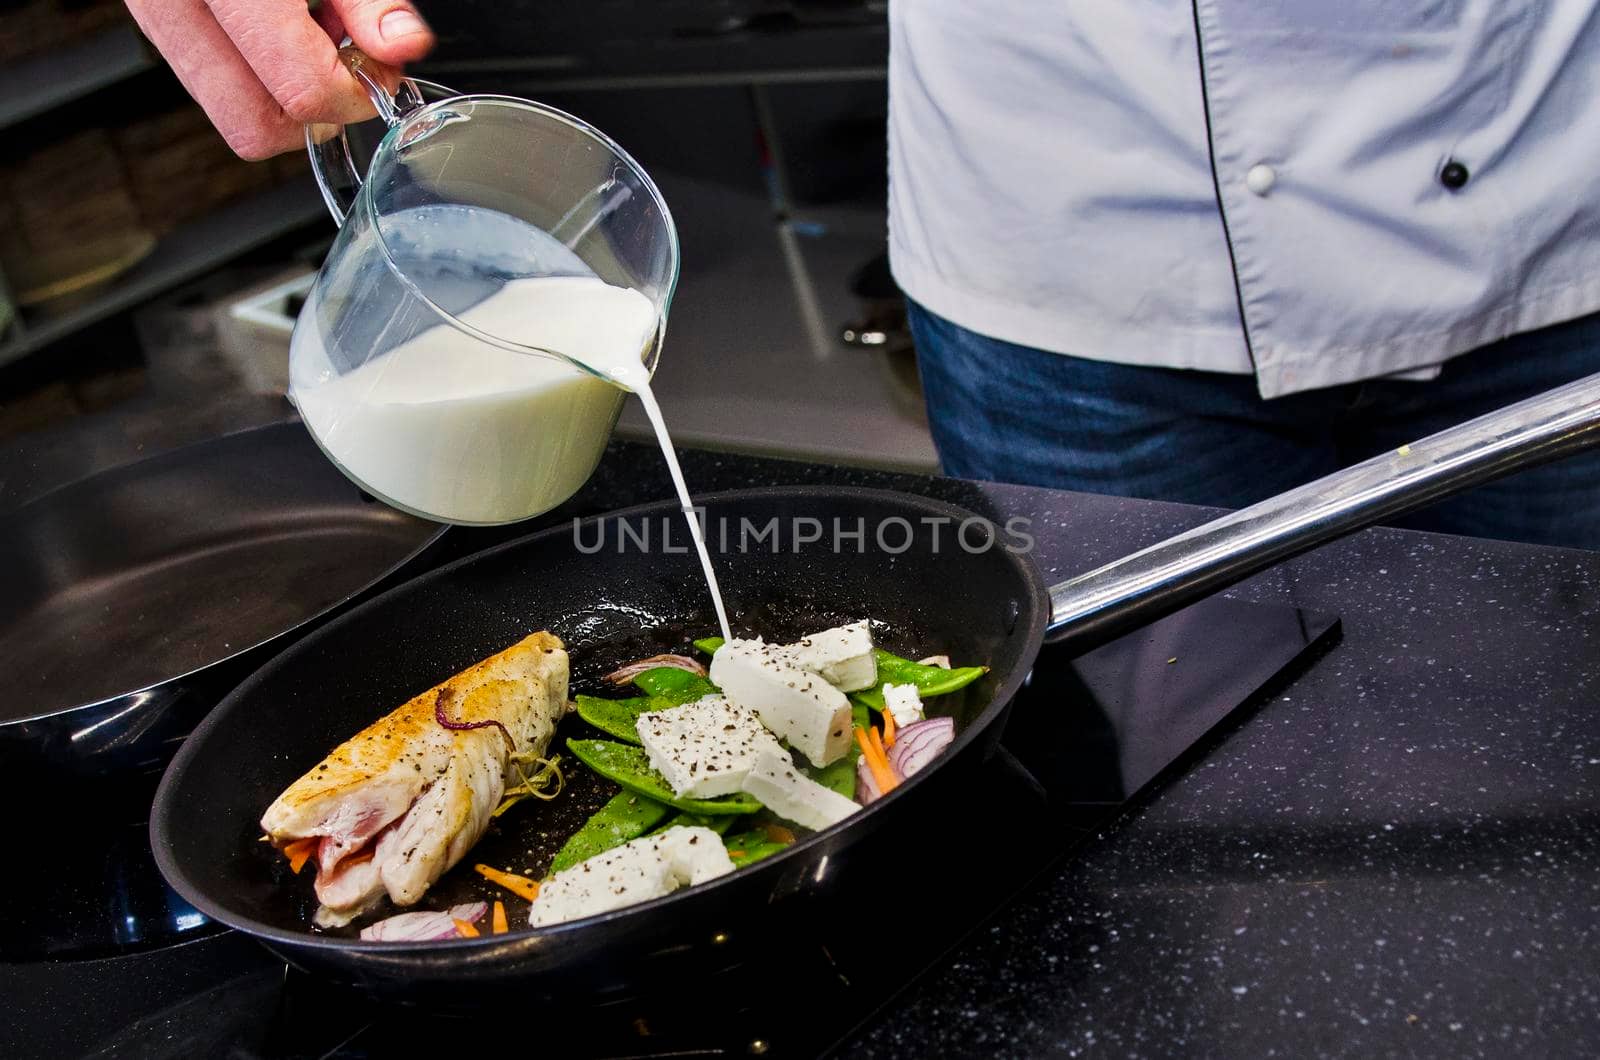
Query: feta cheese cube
x,y
797,705
792,795
904,702
704,748
695,855
648,867
842,656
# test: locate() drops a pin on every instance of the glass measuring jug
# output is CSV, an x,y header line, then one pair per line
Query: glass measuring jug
x,y
501,277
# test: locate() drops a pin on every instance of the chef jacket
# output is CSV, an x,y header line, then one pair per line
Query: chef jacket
x,y
1311,191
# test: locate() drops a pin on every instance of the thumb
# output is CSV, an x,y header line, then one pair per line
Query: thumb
x,y
389,31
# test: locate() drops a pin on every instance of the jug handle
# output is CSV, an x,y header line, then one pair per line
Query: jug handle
x,y
331,161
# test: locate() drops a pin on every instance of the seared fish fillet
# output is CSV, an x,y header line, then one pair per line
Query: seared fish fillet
x,y
399,803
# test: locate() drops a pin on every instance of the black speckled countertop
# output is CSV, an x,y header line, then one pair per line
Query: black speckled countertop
x,y
1399,853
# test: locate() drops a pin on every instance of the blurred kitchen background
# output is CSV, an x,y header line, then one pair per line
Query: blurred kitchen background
x,y
148,278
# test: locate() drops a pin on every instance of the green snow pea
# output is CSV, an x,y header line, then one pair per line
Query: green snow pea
x,y
627,816
930,680
616,717
746,848
674,686
718,825
630,767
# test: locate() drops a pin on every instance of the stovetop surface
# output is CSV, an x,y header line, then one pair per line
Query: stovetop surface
x,y
111,960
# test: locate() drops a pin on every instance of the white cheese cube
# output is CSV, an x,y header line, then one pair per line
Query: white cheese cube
x,y
648,867
692,859
792,795
798,705
904,702
842,656
704,748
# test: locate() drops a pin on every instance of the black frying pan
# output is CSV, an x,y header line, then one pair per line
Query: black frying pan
x,y
609,608
987,606
136,597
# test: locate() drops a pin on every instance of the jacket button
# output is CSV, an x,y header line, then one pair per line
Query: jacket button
x,y
1454,175
1260,179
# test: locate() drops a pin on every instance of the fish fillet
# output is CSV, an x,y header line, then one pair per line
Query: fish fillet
x,y
399,803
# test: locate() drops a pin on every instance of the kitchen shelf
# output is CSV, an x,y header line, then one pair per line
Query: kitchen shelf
x,y
185,253
39,83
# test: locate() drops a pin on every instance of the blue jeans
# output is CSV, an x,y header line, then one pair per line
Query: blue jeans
x,y
1012,413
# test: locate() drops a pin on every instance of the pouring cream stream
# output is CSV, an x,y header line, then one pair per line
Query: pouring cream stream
x,y
451,427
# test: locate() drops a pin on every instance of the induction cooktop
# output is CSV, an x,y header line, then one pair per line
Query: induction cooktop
x,y
101,957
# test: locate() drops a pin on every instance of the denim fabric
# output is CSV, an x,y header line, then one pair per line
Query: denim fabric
x,y
1013,413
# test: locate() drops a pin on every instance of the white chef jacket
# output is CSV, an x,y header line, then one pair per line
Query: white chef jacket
x,y
1249,186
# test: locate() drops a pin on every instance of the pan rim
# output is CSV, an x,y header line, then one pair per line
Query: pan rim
x,y
176,455
273,936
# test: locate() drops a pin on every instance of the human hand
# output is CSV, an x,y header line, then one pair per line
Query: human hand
x,y
262,69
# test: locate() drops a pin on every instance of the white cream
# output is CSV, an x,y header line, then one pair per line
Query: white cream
x,y
452,427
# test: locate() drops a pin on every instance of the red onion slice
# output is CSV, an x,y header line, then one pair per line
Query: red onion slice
x,y
424,927
627,673
920,743
441,705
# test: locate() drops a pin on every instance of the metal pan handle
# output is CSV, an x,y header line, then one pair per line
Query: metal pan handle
x,y
1160,579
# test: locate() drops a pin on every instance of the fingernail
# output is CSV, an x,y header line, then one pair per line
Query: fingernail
x,y
397,24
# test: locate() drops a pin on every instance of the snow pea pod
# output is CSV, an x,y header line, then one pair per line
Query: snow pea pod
x,y
627,816
930,680
718,825
746,848
674,686
630,767
616,717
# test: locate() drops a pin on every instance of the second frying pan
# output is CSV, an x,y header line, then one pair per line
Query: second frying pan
x,y
134,598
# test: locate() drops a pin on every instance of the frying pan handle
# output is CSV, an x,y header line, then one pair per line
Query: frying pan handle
x,y
1160,579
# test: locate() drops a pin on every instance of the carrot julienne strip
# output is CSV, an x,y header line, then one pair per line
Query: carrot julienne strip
x,y
498,921
888,729
877,744
300,851
520,886
464,928
877,762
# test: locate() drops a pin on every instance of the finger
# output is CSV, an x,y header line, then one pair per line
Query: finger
x,y
333,25
330,21
294,58
217,76
390,31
